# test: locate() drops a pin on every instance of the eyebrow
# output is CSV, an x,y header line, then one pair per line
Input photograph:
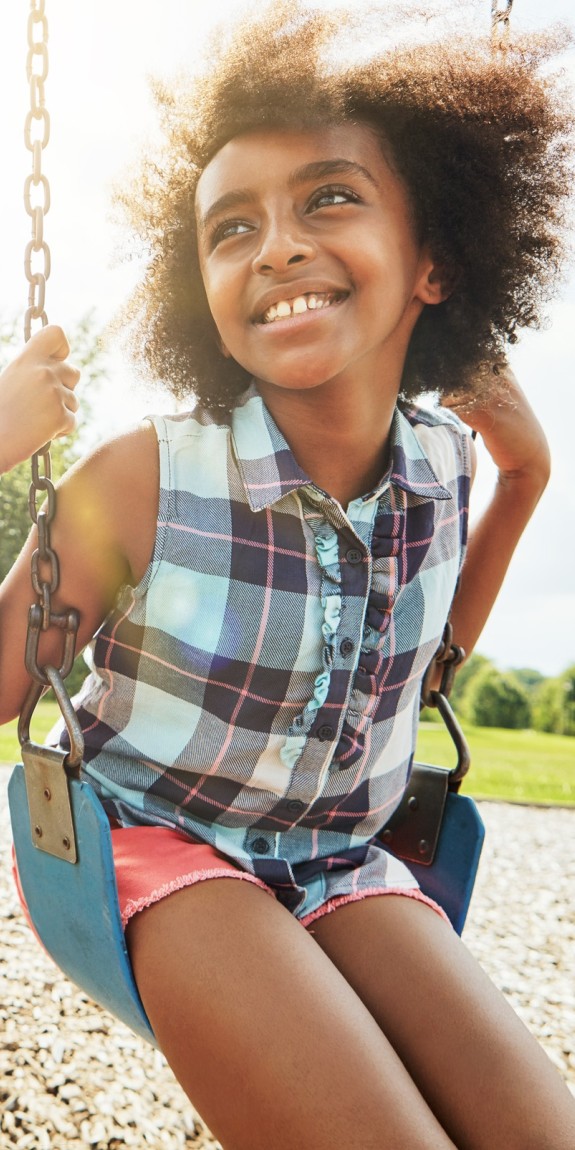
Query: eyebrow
x,y
317,170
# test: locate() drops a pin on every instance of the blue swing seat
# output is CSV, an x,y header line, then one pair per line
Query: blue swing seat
x,y
74,905
450,877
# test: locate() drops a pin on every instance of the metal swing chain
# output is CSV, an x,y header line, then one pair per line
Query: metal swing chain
x,y
45,568
500,24
36,187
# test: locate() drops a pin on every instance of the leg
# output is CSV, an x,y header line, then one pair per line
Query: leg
x,y
264,1034
482,1073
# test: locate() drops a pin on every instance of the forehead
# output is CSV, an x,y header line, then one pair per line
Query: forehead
x,y
258,158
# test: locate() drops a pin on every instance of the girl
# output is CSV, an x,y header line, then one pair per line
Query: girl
x,y
269,575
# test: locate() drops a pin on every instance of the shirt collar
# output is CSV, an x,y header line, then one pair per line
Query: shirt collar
x,y
269,470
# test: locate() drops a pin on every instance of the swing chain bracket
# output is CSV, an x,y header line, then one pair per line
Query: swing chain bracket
x,y
414,828
47,771
49,807
447,658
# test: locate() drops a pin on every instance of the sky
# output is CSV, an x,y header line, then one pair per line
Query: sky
x,y
102,53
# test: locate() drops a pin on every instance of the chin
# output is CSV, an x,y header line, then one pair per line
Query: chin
x,y
294,384
299,377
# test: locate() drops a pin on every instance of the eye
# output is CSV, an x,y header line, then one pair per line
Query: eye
x,y
227,229
332,196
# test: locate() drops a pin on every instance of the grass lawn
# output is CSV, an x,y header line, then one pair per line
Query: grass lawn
x,y
45,715
519,766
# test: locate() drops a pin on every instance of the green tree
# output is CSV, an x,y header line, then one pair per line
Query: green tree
x,y
496,699
530,679
463,678
554,704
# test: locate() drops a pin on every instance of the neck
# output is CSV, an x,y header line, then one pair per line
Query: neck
x,y
338,436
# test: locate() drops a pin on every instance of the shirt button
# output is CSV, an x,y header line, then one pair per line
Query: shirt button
x,y
295,806
325,733
354,556
346,646
260,846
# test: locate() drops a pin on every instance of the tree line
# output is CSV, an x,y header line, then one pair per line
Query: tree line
x,y
484,696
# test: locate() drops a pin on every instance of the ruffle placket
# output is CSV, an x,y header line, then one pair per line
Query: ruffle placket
x,y
387,545
327,552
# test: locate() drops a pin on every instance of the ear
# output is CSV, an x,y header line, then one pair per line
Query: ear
x,y
436,285
436,282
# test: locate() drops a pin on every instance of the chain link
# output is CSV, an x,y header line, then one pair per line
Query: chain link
x,y
37,188
45,567
500,24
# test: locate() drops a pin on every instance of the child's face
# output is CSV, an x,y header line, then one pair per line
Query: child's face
x,y
309,257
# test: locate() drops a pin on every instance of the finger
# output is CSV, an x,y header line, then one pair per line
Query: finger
x,y
69,376
50,341
70,401
68,425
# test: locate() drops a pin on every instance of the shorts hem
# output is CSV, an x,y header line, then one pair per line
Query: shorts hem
x,y
358,895
134,906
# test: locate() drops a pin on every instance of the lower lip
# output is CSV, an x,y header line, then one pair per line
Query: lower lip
x,y
294,322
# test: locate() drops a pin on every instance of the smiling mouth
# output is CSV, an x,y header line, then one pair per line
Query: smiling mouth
x,y
310,301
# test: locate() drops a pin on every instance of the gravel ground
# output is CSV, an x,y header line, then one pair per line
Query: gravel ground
x,y
71,1076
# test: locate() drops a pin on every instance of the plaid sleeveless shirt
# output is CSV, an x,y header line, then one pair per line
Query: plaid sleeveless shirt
x,y
259,689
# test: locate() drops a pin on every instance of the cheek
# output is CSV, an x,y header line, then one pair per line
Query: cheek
x,y
220,294
220,297
215,296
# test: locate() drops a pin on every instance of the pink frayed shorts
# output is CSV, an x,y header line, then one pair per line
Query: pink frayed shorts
x,y
154,862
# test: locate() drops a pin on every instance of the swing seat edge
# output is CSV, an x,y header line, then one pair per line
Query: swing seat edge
x,y
74,907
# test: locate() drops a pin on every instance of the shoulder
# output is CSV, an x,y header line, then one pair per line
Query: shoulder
x,y
193,454
112,494
444,439
194,423
436,417
122,467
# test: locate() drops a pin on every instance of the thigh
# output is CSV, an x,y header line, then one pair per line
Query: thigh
x,y
487,1079
265,1035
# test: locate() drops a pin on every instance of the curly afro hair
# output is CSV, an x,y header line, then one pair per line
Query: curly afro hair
x,y
482,139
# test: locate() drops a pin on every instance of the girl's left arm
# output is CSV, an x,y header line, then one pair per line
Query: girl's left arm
x,y
517,444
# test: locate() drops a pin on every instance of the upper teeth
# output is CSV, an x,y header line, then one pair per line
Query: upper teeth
x,y
301,303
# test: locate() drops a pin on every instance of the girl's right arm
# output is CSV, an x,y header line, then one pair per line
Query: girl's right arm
x,y
103,534
519,449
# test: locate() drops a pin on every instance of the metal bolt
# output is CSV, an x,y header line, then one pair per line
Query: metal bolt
x,y
38,832
47,793
423,846
413,803
387,836
66,843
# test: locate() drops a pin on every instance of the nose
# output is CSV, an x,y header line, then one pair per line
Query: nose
x,y
283,244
